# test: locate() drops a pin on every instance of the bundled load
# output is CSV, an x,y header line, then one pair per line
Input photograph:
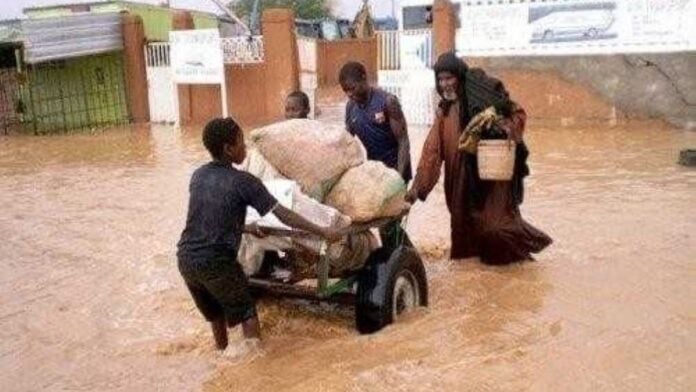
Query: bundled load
x,y
310,152
257,165
304,163
345,257
368,191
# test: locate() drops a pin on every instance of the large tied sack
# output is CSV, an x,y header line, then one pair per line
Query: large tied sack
x,y
257,165
368,192
313,153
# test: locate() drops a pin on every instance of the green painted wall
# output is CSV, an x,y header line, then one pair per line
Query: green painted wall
x,y
158,21
204,21
76,93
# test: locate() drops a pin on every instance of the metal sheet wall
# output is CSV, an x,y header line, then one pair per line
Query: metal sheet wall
x,y
71,36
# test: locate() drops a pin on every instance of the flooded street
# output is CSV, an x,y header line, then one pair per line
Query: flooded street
x,y
90,297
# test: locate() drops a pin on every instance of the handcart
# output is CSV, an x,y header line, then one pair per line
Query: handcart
x,y
391,281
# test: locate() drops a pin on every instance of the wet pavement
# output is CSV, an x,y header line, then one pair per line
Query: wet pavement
x,y
90,297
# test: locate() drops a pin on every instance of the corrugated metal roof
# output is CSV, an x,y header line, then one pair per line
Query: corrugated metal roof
x,y
10,31
71,36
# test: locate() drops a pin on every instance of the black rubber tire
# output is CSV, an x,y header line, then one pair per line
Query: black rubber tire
x,y
376,281
687,157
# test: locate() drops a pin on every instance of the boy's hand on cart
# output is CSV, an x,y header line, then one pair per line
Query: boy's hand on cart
x,y
332,233
337,231
255,230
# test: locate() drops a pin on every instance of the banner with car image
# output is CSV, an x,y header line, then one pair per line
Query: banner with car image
x,y
561,27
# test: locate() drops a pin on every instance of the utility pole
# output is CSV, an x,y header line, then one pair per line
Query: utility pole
x,y
253,20
232,15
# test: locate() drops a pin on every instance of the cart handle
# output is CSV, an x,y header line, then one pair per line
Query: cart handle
x,y
352,229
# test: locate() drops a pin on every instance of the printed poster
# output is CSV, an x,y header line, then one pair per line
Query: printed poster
x,y
561,27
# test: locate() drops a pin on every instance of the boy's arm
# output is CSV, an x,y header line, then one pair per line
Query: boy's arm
x,y
256,195
293,219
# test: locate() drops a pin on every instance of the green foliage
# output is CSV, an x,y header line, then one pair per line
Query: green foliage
x,y
304,9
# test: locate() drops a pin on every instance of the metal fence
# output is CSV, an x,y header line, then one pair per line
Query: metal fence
x,y
405,49
235,50
242,50
75,93
388,49
10,104
157,54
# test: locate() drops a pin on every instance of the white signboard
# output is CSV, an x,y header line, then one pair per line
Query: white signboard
x,y
196,56
558,27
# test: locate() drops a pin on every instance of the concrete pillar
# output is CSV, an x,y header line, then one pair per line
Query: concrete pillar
x,y
281,59
134,64
183,20
444,27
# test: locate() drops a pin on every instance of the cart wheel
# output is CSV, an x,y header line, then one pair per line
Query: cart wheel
x,y
389,285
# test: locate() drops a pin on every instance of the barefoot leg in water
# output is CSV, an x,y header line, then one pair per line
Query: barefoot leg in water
x,y
219,327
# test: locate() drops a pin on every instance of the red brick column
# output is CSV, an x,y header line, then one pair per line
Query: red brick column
x,y
134,64
444,27
182,20
281,59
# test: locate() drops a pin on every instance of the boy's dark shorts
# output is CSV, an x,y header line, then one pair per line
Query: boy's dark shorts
x,y
219,288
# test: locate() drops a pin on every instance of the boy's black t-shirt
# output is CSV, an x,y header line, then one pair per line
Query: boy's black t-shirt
x,y
219,196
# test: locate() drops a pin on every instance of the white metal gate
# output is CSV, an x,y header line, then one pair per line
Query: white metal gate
x,y
407,49
307,52
162,94
405,60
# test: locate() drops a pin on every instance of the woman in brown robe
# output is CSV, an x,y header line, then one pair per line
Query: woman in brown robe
x,y
485,215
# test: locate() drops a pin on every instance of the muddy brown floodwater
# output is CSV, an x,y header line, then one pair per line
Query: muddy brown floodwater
x,y
90,298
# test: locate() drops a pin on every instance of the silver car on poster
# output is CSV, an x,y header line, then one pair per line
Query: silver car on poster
x,y
572,25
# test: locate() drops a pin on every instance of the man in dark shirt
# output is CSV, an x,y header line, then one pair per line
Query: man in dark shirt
x,y
375,117
207,250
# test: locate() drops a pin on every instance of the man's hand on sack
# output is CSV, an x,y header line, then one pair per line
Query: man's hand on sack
x,y
405,208
411,196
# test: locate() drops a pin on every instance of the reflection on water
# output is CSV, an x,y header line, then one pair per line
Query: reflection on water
x,y
91,298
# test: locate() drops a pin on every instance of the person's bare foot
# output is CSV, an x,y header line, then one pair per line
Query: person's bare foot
x,y
245,349
474,259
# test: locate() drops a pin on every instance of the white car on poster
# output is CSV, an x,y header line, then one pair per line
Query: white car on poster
x,y
578,24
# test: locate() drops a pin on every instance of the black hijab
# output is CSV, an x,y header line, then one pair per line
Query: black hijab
x,y
449,62
476,92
